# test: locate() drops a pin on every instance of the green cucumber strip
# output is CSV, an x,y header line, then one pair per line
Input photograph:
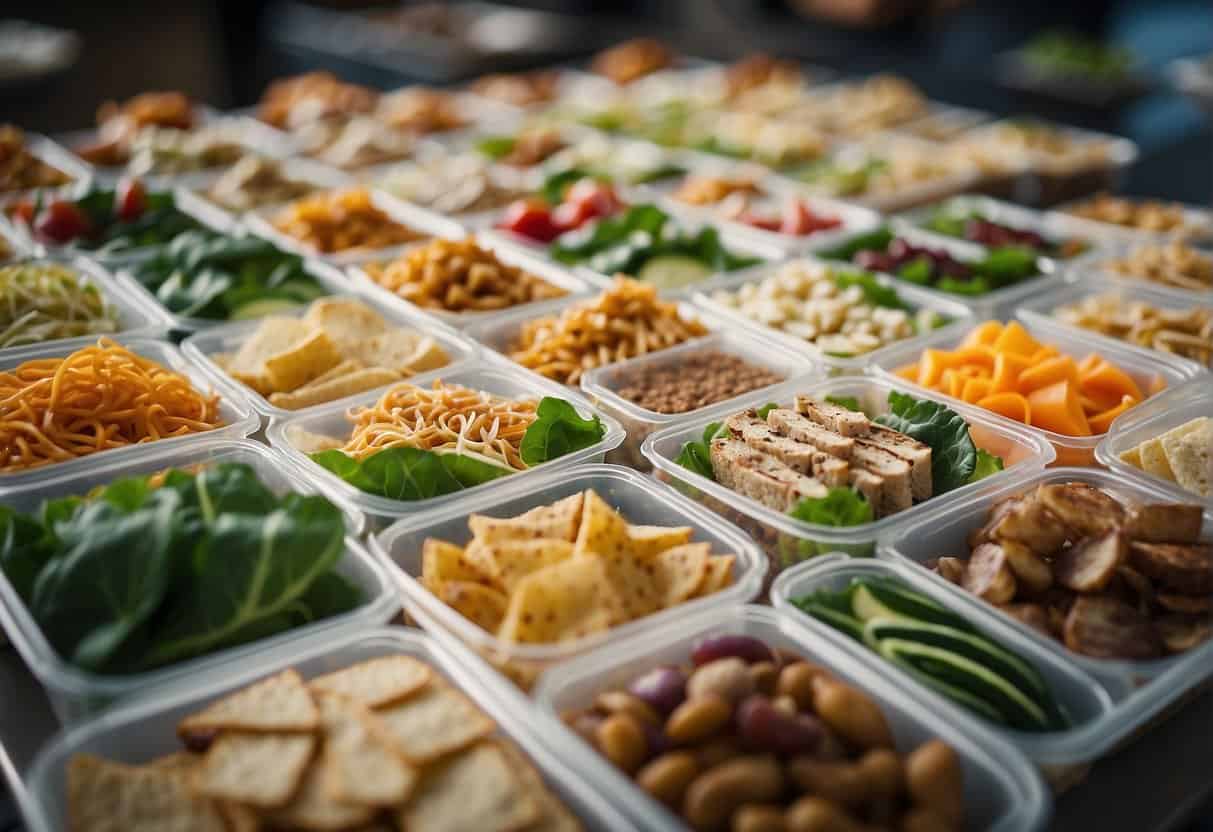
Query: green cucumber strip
x,y
961,696
840,621
889,599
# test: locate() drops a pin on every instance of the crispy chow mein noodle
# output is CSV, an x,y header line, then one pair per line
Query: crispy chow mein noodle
x,y
445,419
96,399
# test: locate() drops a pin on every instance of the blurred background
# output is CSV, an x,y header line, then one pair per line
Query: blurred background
x,y
1138,68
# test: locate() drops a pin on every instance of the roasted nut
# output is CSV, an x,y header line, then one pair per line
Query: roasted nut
x,y
621,740
757,818
884,773
816,814
585,724
727,678
933,779
667,777
764,675
839,782
763,727
698,719
618,701
796,681
663,688
714,752
714,795
920,819
851,714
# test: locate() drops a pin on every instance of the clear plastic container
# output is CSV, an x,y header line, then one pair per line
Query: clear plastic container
x,y
1045,308
308,171
1087,703
945,123
1002,790
413,217
1198,225
499,379
238,417
75,693
529,261
141,731
602,384
636,497
57,156
135,316
957,315
204,347
1151,372
1154,683
787,540
1167,410
1095,267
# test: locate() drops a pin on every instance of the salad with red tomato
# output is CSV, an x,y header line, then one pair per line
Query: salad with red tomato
x,y
107,221
744,200
567,201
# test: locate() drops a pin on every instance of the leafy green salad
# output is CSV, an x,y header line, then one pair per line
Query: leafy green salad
x,y
150,571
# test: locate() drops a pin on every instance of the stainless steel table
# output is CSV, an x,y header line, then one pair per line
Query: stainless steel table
x,y
1152,785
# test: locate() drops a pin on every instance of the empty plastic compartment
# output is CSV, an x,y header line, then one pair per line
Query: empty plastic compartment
x,y
237,415
1149,371
637,498
1086,702
332,420
142,731
1002,790
74,692
787,540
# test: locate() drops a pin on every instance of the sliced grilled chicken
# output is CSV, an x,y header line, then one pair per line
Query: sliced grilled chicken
x,y
740,468
898,494
834,472
1031,523
838,419
795,426
754,431
917,454
870,486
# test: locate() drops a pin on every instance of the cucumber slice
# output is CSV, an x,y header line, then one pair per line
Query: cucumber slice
x,y
838,620
673,271
261,308
887,599
953,669
970,645
959,695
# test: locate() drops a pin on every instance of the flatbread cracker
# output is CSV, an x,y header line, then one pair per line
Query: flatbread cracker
x,y
512,560
311,807
303,361
360,766
347,321
262,770
476,790
278,703
104,796
717,575
443,561
377,682
358,381
437,721
273,336
554,815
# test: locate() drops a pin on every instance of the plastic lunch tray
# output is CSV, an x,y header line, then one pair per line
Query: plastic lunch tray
x,y
511,255
639,500
135,316
1045,308
1167,410
1093,266
787,539
140,731
411,216
601,385
238,417
1198,225
1001,788
1146,369
497,378
1140,690
997,302
957,314
75,693
1087,702
204,346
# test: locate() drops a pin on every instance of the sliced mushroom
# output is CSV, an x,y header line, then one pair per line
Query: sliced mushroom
x,y
1188,604
1182,632
1031,570
987,575
951,569
1084,509
997,511
1090,564
1107,628
1031,523
1033,615
1136,582
1163,522
1185,569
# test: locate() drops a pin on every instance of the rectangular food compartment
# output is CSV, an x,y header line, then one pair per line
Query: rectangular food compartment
x,y
636,497
205,346
1156,416
1197,225
75,693
53,153
787,540
1086,702
135,316
239,419
413,217
1155,683
1005,213
1148,371
1002,791
321,177
496,378
602,385
141,731
1046,309
956,316
1095,268
512,255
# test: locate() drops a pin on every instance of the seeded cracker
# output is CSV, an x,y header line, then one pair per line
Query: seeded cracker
x,y
311,807
257,769
437,721
377,682
564,601
104,796
443,561
279,703
476,790
512,560
559,520
360,766
717,575
483,606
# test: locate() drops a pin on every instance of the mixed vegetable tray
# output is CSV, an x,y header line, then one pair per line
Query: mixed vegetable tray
x,y
746,465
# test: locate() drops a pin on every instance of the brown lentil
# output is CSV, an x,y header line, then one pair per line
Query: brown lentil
x,y
699,380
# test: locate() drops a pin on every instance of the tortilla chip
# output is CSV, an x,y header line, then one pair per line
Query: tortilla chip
x,y
262,770
680,571
512,560
717,575
443,561
647,541
603,531
559,520
301,362
347,321
358,381
104,796
480,604
278,703
343,369
361,768
476,790
312,807
377,682
437,721
273,336
564,601
403,350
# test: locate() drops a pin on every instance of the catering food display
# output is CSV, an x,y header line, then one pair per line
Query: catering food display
x,y
46,301
20,168
743,200
256,181
1186,332
454,184
1150,216
967,222
1182,455
341,221
1176,265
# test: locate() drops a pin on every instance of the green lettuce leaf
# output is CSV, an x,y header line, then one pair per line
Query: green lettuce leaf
x,y
696,456
953,454
873,291
987,465
849,402
558,430
410,474
842,507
